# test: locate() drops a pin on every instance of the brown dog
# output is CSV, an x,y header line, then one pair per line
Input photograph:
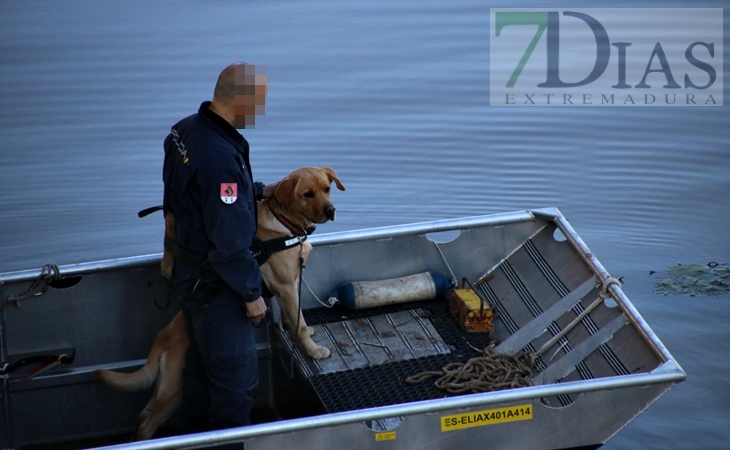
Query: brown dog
x,y
300,200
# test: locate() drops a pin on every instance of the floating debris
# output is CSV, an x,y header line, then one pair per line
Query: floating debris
x,y
694,279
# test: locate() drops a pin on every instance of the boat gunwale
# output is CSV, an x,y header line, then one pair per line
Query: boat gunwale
x,y
322,239
534,393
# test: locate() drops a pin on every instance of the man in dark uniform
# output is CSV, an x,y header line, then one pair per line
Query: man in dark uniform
x,y
210,190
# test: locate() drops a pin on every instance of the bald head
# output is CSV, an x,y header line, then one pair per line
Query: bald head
x,y
240,94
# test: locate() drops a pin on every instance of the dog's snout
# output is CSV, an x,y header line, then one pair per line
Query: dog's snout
x,y
329,211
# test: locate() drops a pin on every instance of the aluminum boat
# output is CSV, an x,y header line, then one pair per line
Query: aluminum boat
x,y
602,367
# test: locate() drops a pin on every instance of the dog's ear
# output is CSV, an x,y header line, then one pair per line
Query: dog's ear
x,y
333,177
284,192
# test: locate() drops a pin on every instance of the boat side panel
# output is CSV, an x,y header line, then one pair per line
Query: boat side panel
x,y
536,276
470,255
67,412
590,420
107,317
568,267
628,345
110,320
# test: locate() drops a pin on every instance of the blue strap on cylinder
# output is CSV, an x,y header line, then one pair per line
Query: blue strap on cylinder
x,y
370,294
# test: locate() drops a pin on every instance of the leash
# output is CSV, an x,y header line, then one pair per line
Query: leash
x,y
299,307
167,293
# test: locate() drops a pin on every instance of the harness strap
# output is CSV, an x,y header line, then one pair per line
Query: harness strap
x,y
183,254
262,250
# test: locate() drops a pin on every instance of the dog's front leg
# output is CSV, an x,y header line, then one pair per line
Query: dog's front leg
x,y
289,303
281,273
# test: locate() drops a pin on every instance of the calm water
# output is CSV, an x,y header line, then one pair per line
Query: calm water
x,y
395,99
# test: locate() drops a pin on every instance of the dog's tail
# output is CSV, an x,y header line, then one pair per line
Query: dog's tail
x,y
173,338
141,379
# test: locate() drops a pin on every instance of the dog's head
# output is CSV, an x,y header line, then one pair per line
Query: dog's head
x,y
305,194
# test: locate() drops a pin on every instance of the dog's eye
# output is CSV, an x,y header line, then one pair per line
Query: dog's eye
x,y
327,190
309,194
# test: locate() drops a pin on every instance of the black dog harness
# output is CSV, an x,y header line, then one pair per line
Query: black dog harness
x,y
261,250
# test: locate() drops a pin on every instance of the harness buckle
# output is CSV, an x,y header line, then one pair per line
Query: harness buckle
x,y
295,240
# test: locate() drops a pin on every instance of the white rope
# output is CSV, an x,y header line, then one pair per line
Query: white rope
x,y
605,284
453,276
601,297
328,304
570,326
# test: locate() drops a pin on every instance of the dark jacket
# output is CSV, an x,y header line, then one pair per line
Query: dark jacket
x,y
206,162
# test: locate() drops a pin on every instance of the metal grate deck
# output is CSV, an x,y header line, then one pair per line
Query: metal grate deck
x,y
384,383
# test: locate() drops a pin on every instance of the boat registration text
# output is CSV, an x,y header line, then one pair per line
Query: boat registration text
x,y
486,417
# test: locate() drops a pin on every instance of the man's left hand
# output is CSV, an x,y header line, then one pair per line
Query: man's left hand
x,y
256,310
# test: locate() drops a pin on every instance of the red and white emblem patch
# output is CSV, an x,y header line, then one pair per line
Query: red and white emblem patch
x,y
229,192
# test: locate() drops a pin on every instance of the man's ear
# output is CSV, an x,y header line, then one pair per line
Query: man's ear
x,y
333,177
284,192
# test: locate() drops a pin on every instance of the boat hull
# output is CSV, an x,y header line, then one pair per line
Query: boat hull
x,y
531,266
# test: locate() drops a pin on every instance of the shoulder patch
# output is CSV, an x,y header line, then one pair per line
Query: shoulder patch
x,y
229,192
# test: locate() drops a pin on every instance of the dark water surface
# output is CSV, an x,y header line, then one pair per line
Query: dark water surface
x,y
395,99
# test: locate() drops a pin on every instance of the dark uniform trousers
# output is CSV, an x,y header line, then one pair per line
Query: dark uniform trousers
x,y
221,367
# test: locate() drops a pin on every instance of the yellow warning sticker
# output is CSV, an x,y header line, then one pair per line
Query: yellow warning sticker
x,y
486,417
387,436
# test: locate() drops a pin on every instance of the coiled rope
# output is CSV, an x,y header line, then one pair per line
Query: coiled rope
x,y
496,371
486,373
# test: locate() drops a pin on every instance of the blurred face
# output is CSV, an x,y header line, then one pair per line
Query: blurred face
x,y
250,100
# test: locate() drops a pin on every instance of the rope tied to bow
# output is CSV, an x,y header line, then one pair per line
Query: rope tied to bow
x,y
49,273
486,373
602,296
